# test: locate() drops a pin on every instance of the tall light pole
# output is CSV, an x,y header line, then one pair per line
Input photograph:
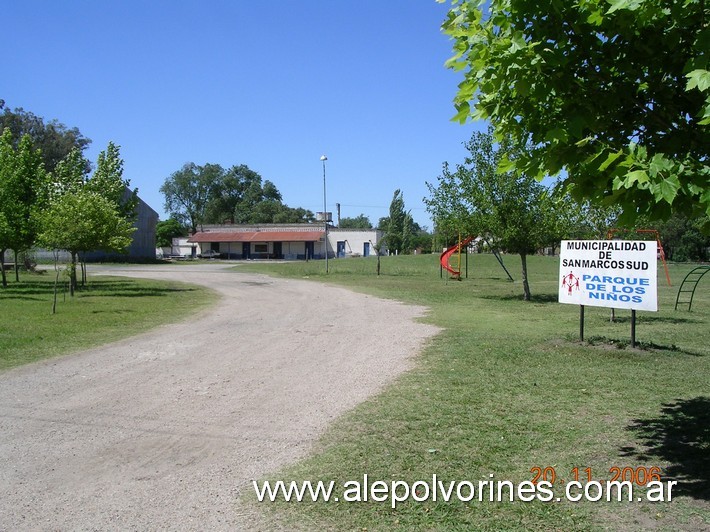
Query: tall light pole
x,y
325,215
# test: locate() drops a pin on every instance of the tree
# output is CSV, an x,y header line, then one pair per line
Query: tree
x,y
510,211
598,220
101,225
227,192
54,140
83,220
7,178
259,203
5,236
359,222
378,249
69,176
209,194
682,239
187,193
616,92
108,181
399,226
166,230
568,218
235,196
21,176
262,212
423,240
293,215
270,193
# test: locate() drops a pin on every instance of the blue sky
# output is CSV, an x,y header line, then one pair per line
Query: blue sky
x,y
273,85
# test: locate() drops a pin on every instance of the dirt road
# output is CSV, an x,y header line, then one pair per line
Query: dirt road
x,y
164,430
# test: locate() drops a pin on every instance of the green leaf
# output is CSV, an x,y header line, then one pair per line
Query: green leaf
x,y
698,78
517,42
705,197
639,176
464,109
638,152
610,159
557,135
455,63
523,86
583,142
702,41
505,165
659,164
595,18
577,113
667,189
631,5
705,115
576,125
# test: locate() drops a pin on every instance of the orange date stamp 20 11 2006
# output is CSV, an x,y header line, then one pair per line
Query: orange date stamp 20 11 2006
x,y
640,476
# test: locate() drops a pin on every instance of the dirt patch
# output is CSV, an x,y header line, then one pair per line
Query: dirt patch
x,y
164,430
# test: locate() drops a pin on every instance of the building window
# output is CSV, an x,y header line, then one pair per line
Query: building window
x,y
261,248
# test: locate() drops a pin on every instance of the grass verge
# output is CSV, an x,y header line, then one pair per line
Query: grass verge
x,y
507,388
107,309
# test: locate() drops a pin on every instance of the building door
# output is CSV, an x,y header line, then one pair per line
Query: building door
x,y
245,250
341,248
366,249
278,250
310,249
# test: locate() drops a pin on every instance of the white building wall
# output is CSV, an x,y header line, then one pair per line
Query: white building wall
x,y
354,242
181,247
293,250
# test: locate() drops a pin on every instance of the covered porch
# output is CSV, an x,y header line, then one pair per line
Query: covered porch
x,y
289,245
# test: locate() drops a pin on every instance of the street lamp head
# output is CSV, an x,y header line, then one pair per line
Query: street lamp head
x,y
323,158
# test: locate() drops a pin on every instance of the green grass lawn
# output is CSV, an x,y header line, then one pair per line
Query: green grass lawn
x,y
506,388
107,309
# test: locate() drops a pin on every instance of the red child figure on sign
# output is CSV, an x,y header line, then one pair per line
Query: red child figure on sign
x,y
570,281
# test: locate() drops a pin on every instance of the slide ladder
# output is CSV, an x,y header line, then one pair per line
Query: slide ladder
x,y
689,284
446,255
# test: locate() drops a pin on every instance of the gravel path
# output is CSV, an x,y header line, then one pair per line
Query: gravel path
x,y
165,429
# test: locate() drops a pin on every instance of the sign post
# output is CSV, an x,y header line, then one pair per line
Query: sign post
x,y
609,273
581,323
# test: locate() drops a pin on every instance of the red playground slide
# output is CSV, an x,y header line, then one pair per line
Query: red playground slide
x,y
444,259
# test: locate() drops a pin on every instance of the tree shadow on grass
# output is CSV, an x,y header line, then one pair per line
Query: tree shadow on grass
x,y
26,288
114,311
680,434
605,341
134,291
645,318
128,288
94,288
539,298
23,298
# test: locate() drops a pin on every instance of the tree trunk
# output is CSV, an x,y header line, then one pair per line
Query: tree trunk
x,y
17,267
56,281
82,260
2,268
72,274
526,286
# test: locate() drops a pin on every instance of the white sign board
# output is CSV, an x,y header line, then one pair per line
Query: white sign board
x,y
609,273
